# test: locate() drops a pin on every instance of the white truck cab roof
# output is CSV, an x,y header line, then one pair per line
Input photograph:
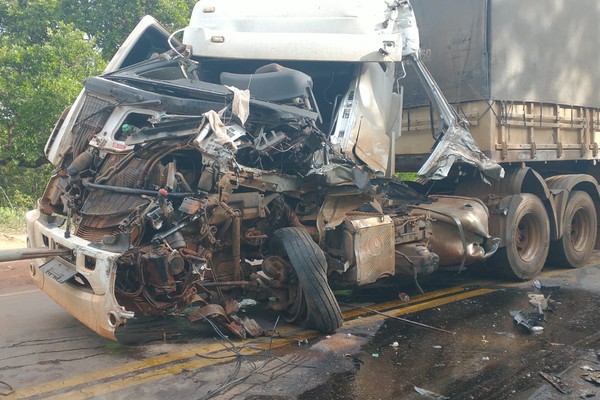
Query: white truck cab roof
x,y
311,30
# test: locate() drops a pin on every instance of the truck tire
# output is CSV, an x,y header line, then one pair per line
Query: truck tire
x,y
315,305
579,233
527,241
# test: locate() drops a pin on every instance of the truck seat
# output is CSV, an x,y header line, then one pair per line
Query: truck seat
x,y
279,85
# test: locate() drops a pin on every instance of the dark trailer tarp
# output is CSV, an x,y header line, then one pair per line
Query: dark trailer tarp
x,y
516,50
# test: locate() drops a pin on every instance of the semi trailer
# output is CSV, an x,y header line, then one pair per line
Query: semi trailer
x,y
522,75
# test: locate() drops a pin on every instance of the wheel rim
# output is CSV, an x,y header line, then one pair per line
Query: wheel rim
x,y
580,226
528,237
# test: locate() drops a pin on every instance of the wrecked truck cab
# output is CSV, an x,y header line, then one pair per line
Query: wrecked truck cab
x,y
240,168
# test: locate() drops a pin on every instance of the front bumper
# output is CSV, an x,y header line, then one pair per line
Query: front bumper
x,y
90,294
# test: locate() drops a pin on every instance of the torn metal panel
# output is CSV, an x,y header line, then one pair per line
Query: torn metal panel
x,y
458,146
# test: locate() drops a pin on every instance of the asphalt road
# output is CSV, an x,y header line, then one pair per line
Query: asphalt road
x,y
45,353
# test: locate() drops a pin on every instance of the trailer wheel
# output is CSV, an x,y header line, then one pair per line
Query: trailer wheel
x,y
314,304
527,243
579,234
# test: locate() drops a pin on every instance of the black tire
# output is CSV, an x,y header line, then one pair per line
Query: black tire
x,y
315,306
527,241
579,233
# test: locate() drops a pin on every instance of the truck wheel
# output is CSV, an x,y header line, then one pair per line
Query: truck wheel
x,y
314,304
527,242
579,233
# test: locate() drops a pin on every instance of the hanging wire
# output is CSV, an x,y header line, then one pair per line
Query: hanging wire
x,y
171,43
231,380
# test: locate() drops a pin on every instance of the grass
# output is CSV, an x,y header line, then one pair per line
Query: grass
x,y
407,176
12,220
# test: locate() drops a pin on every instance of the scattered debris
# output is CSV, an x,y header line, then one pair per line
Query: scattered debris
x,y
529,321
541,302
248,303
485,359
355,360
592,378
588,368
429,394
241,327
556,382
509,335
584,394
538,285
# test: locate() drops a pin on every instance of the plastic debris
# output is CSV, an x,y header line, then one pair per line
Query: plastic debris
x,y
437,347
403,297
528,321
348,335
429,394
395,344
556,382
375,355
485,359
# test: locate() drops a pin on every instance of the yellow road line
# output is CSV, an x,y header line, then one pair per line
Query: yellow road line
x,y
190,351
396,303
127,368
131,378
418,307
149,376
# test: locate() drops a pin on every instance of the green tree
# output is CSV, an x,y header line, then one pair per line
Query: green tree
x,y
110,21
43,62
47,49
37,80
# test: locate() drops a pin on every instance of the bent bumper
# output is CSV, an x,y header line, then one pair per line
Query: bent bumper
x,y
89,295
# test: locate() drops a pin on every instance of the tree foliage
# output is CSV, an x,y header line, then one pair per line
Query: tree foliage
x,y
37,81
110,21
47,49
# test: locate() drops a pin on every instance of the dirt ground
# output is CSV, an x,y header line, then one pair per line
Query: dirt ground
x,y
13,273
12,240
